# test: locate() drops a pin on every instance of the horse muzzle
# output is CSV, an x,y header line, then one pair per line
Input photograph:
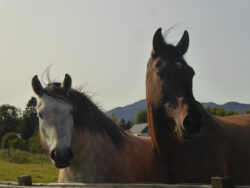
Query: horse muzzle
x,y
61,157
192,128
188,121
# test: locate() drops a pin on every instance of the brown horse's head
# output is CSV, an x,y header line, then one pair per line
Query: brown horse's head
x,y
169,87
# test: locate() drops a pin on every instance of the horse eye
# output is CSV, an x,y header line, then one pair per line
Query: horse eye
x,y
159,64
40,115
160,73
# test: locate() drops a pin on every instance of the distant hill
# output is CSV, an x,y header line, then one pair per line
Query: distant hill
x,y
235,106
128,112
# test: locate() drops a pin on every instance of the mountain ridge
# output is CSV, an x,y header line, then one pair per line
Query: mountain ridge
x,y
128,112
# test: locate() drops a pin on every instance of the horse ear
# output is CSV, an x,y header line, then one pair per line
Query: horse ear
x,y
158,40
67,82
183,44
37,86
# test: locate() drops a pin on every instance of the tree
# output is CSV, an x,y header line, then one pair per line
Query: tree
x,y
34,144
248,111
9,118
17,143
231,112
141,116
125,125
29,122
220,111
122,122
113,118
7,139
209,109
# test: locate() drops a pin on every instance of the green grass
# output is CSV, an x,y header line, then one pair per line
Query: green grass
x,y
20,163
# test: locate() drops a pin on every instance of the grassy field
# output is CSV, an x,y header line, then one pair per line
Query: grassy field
x,y
20,163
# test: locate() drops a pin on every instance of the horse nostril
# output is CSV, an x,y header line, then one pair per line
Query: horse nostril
x,y
71,155
188,121
62,156
53,154
192,127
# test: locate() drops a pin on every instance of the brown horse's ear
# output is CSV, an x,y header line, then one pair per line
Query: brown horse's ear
x,y
158,41
183,44
67,82
37,86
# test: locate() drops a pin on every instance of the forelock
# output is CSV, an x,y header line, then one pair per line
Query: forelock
x,y
56,91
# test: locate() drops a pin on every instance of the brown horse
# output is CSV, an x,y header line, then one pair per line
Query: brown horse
x,y
194,144
85,144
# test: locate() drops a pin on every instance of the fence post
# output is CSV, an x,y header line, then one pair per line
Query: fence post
x,y
221,182
24,180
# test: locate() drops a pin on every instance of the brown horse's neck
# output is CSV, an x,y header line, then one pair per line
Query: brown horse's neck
x,y
180,158
161,128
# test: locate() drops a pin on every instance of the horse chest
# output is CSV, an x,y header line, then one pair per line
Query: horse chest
x,y
93,168
191,163
85,173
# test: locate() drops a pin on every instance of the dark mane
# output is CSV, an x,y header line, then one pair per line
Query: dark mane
x,y
86,115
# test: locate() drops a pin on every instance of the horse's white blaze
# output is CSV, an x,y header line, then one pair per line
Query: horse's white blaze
x,y
179,113
56,122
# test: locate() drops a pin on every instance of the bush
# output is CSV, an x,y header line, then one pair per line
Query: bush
x,y
34,144
17,143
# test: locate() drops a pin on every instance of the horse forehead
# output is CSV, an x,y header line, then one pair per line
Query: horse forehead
x,y
54,103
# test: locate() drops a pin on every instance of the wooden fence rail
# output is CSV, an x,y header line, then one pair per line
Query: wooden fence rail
x,y
216,182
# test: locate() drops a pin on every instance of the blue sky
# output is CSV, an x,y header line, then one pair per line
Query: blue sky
x,y
105,45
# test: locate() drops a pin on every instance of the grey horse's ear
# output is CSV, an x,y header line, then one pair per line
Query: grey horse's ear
x,y
37,86
158,41
183,44
67,82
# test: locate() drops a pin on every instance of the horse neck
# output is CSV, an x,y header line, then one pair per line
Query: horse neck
x,y
86,142
160,128
92,149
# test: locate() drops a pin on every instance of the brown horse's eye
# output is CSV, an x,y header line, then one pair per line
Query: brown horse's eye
x,y
160,73
158,64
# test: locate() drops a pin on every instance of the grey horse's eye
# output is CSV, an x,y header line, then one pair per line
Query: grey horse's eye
x,y
178,65
40,115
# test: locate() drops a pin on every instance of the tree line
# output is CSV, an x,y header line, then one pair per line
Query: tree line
x,y
219,111
19,129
